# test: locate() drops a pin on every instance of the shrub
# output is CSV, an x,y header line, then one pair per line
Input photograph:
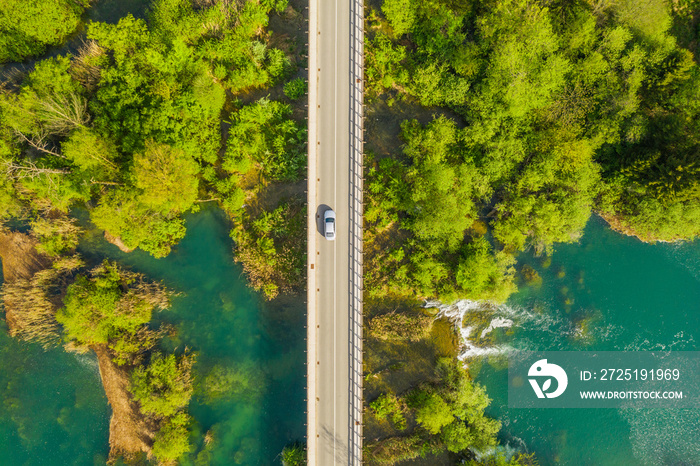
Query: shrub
x,y
172,440
164,386
295,88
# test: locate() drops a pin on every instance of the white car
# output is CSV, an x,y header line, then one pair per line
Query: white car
x,y
329,225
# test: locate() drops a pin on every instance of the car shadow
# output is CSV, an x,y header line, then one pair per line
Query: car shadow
x,y
322,208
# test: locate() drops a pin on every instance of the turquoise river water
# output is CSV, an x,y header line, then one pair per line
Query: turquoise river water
x,y
250,365
607,292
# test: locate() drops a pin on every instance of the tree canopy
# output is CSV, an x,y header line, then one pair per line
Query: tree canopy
x,y
28,28
133,121
549,113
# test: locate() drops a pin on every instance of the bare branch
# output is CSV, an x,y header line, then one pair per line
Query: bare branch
x,y
30,170
39,144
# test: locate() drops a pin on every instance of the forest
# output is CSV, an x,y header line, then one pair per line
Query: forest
x,y
518,120
545,113
142,122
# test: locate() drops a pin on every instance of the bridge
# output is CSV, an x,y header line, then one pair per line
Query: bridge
x,y
334,369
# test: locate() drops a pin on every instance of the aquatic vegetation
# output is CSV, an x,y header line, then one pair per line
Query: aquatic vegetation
x,y
30,304
546,262
241,381
530,275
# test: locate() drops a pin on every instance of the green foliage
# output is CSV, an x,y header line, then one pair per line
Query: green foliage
x,y
399,326
388,406
501,459
383,65
122,214
132,121
164,386
272,248
28,28
153,91
401,14
245,381
440,204
146,214
167,179
294,455
108,303
262,137
555,113
433,199
172,439
393,450
484,275
454,409
432,412
56,236
295,89
91,153
449,413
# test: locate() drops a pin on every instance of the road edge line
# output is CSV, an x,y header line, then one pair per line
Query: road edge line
x,y
311,319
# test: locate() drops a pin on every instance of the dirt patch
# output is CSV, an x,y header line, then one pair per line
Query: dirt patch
x,y
20,259
129,433
616,224
117,241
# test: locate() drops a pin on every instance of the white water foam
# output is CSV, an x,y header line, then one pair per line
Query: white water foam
x,y
456,312
498,322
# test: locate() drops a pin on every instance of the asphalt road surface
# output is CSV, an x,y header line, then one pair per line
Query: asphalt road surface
x,y
335,423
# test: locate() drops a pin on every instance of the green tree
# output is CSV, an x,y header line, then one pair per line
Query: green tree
x,y
264,137
432,412
107,303
172,439
167,178
164,386
401,14
57,236
28,28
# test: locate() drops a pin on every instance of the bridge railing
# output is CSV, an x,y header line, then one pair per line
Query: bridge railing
x,y
355,209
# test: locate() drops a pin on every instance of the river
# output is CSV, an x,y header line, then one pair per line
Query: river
x,y
607,292
250,384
